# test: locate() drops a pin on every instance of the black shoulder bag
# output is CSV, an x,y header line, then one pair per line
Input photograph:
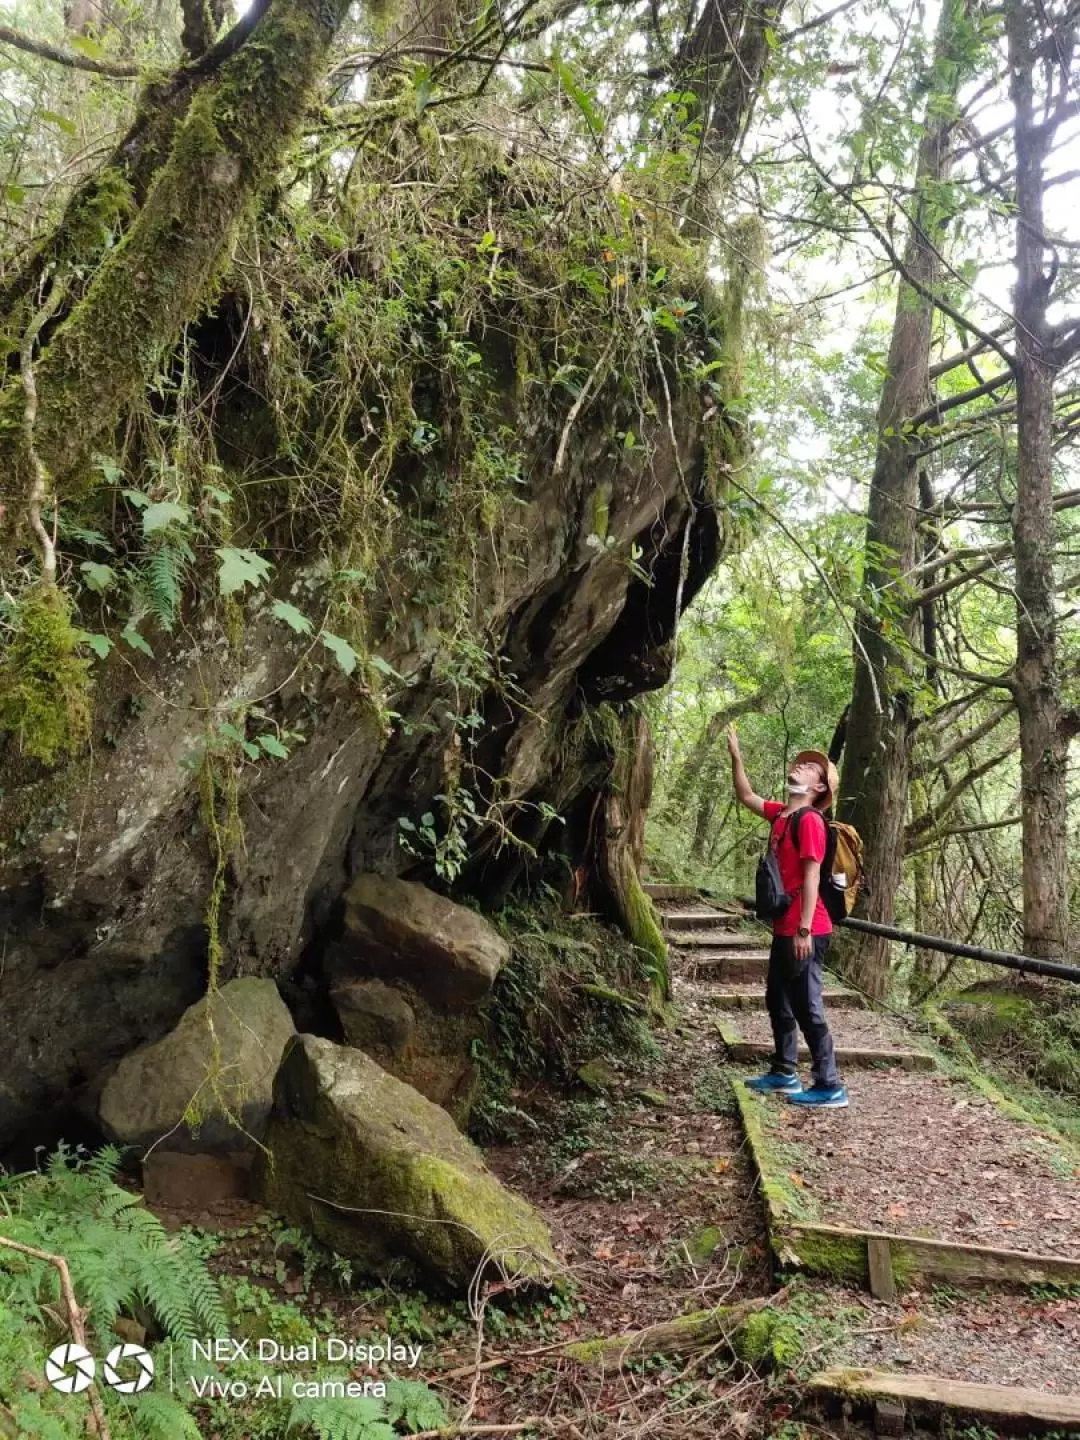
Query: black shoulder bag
x,y
771,900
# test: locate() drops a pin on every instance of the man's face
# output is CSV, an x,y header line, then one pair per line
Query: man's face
x,y
807,775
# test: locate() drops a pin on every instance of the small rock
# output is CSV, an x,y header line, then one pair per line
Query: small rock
x,y
702,1245
129,1330
598,1075
656,1098
373,1013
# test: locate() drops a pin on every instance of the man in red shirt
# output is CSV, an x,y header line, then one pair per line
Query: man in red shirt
x,y
793,992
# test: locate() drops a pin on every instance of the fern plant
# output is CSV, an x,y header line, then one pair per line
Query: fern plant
x,y
120,1255
121,1258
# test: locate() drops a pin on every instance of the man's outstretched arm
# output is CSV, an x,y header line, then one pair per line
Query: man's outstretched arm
x,y
743,791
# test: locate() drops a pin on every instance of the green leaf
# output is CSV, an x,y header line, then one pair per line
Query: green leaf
x,y
99,578
405,823
163,514
384,667
251,750
15,194
136,641
85,46
137,497
294,618
341,650
60,121
111,472
230,732
273,746
240,568
100,644
581,98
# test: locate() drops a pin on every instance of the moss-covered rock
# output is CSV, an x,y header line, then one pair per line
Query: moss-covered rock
x,y
768,1340
208,1084
598,1075
704,1243
397,930
382,1175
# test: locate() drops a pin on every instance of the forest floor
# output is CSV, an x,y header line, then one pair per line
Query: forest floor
x,y
653,1198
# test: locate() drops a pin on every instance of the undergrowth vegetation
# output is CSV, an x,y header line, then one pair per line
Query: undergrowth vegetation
x,y
1030,1029
571,992
129,1275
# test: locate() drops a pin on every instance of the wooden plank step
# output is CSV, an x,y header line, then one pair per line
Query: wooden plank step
x,y
715,939
656,891
755,999
1003,1407
699,920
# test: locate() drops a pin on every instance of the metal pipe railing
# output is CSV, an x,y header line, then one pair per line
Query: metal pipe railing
x,y
1026,964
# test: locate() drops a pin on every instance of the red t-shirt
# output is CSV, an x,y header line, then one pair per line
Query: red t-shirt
x,y
811,847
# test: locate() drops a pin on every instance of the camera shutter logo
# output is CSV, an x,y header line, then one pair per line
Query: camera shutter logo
x,y
70,1369
144,1369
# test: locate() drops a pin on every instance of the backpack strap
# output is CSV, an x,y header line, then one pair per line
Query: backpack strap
x,y
795,822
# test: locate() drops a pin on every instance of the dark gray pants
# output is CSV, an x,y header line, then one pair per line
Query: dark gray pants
x,y
793,998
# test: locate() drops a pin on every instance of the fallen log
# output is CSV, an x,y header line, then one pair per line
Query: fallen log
x,y
681,1336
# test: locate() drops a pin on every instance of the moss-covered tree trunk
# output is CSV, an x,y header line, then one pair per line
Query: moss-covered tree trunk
x,y
227,148
621,845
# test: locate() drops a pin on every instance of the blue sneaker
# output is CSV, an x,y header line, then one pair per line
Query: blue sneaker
x,y
773,1083
822,1097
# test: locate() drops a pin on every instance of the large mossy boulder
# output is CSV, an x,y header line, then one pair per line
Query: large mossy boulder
x,y
382,1175
398,930
208,1084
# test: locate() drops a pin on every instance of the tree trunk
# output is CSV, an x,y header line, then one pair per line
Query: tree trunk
x,y
874,787
1043,741
621,846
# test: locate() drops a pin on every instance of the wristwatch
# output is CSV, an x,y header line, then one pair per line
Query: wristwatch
x,y
803,932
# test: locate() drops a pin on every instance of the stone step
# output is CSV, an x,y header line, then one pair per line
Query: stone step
x,y
656,891
747,1051
743,966
715,940
755,1000
699,919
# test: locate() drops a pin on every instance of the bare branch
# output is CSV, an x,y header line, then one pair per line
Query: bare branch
x,y
114,69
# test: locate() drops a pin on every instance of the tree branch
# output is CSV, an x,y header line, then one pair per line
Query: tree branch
x,y
114,69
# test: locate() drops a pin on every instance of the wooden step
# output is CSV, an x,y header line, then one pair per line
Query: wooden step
x,y
1006,1408
657,891
715,940
699,919
755,999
